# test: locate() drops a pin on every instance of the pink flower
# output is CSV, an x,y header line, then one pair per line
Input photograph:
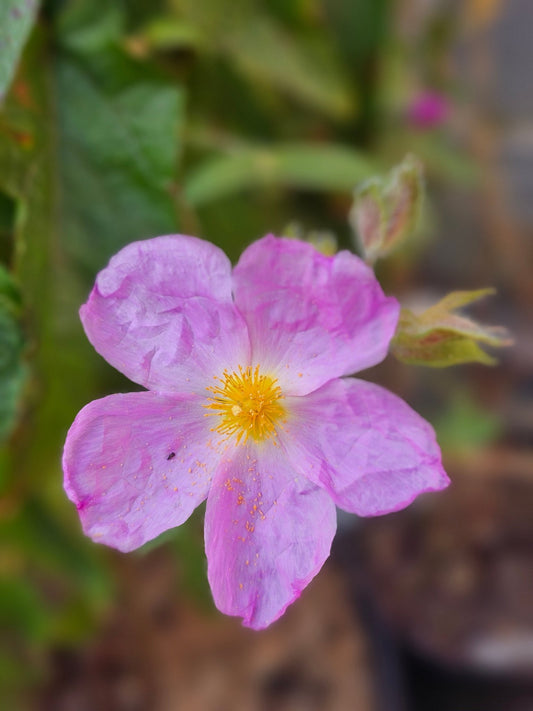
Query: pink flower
x,y
428,109
246,406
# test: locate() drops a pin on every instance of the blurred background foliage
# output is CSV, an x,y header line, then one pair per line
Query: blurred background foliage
x,y
128,119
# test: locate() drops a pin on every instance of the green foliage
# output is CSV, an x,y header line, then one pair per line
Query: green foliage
x,y
94,178
310,167
465,425
117,146
21,608
304,67
360,27
16,20
89,144
12,368
117,153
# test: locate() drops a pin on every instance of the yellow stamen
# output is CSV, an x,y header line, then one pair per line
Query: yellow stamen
x,y
247,403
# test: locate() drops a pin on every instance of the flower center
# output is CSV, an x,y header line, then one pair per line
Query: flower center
x,y
247,403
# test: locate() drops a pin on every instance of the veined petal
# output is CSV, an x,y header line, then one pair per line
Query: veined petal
x,y
162,313
137,464
268,532
364,445
311,317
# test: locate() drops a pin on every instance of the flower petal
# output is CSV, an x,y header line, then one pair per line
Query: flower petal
x,y
162,313
311,318
136,465
267,532
364,445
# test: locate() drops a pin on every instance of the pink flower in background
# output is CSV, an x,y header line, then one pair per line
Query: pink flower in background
x,y
428,109
247,405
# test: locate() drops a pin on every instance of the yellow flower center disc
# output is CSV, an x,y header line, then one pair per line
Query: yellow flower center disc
x,y
247,403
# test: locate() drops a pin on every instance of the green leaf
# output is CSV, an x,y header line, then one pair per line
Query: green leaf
x,y
301,166
439,338
118,151
260,47
12,368
169,33
7,222
440,156
9,292
360,28
265,52
16,20
89,25
361,32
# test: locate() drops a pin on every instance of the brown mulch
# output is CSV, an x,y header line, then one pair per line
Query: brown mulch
x,y
160,652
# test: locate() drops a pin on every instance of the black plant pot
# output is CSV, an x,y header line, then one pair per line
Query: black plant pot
x,y
445,589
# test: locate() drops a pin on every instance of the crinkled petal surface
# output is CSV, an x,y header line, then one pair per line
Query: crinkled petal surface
x,y
136,465
311,317
162,313
268,532
364,445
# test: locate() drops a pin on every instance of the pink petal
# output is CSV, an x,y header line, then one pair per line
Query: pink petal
x,y
136,465
311,318
268,532
364,445
162,313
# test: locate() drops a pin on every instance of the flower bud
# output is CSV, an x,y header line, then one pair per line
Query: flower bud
x,y
386,210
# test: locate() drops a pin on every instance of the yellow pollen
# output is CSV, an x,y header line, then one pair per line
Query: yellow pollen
x,y
247,404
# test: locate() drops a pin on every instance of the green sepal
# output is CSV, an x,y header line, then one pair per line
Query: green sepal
x,y
438,338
